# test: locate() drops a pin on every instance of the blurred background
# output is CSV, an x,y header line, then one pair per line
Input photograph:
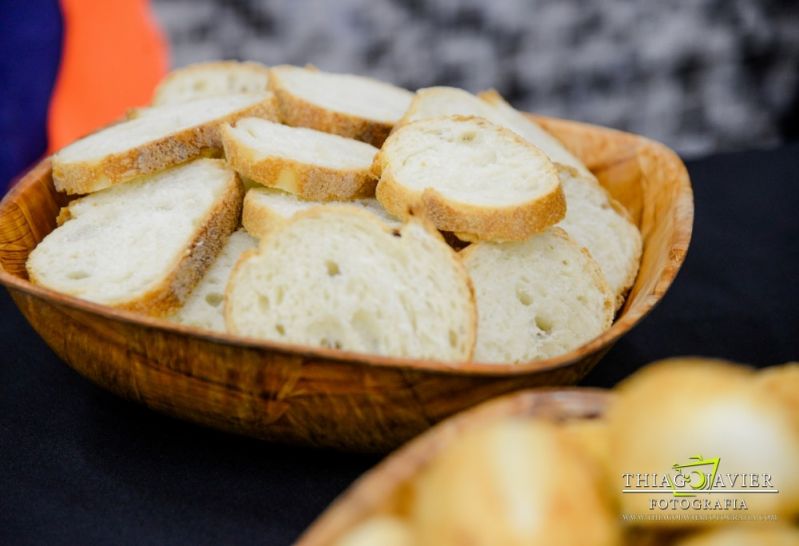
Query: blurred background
x,y
702,76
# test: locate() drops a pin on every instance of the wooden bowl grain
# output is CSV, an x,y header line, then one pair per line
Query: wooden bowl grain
x,y
325,397
383,489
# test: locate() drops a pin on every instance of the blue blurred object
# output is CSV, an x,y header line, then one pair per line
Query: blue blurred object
x,y
30,51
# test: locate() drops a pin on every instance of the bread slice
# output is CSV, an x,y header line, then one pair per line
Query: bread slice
x,y
537,298
211,79
311,164
600,224
144,245
338,277
157,139
534,133
469,176
342,104
448,101
205,307
266,209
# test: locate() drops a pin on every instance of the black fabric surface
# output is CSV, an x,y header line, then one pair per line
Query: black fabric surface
x,y
79,466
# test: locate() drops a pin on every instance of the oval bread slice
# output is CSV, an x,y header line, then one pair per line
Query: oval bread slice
x,y
205,307
537,298
469,176
203,80
159,138
449,101
338,277
143,245
601,225
266,209
342,104
305,162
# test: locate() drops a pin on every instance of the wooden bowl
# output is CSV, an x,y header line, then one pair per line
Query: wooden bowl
x,y
383,488
326,397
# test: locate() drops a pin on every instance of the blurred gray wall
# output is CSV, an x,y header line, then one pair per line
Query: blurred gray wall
x,y
699,75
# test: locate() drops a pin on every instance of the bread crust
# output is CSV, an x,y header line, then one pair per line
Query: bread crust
x,y
188,268
259,220
313,182
298,112
201,140
470,222
460,267
162,87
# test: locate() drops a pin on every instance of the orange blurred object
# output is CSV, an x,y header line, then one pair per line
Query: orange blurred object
x,y
113,56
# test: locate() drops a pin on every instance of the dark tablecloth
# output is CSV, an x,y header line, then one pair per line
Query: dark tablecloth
x,y
79,466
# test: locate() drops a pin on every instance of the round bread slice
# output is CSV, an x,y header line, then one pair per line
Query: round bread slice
x,y
308,163
537,298
211,79
469,176
450,101
266,209
338,277
157,139
342,104
600,224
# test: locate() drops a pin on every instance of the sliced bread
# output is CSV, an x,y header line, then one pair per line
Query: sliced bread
x,y
211,79
338,277
342,104
469,176
265,209
600,224
205,307
537,298
143,245
160,138
308,163
448,101
534,133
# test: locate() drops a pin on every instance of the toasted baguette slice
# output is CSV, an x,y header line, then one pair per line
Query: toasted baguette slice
x,y
537,298
600,224
308,163
203,80
158,139
205,307
342,104
338,277
266,209
144,245
448,101
469,176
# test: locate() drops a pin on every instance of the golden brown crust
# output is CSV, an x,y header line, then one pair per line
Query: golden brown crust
x,y
312,182
259,220
191,143
298,112
469,222
200,254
